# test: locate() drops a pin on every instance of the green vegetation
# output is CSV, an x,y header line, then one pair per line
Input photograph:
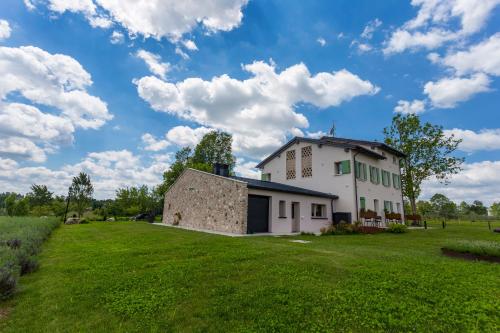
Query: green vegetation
x,y
20,242
479,247
397,228
137,277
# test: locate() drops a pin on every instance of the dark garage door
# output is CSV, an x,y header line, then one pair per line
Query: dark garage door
x,y
258,214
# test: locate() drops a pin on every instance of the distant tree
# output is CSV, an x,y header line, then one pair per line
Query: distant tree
x,y
133,200
428,153
495,209
39,195
464,209
21,207
58,205
10,204
424,208
478,208
81,191
443,207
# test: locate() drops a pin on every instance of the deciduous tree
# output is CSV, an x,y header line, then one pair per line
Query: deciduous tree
x,y
428,153
81,191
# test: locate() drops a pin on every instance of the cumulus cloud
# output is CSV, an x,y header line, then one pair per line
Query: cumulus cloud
x,y
5,30
448,92
321,41
434,24
153,144
406,107
55,81
258,111
190,45
153,61
483,57
108,170
485,139
182,136
246,169
477,181
154,18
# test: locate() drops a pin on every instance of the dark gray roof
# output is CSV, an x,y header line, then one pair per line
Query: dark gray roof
x,y
338,142
273,186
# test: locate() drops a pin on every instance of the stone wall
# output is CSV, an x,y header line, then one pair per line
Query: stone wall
x,y
205,201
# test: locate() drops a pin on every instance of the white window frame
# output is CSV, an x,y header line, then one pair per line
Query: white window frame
x,y
323,211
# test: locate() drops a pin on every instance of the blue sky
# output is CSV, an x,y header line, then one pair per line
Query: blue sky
x,y
134,83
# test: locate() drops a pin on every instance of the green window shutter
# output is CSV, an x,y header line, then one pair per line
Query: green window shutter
x,y
362,203
378,176
383,178
388,179
364,172
346,167
372,174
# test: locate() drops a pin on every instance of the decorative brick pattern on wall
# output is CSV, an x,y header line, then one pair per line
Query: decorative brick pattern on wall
x,y
204,201
290,164
306,153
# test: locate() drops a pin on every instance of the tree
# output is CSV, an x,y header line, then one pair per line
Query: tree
x,y
424,208
428,153
214,147
81,191
443,207
39,195
495,209
464,208
21,207
478,208
10,203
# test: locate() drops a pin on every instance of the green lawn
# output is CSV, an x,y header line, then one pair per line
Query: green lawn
x,y
136,277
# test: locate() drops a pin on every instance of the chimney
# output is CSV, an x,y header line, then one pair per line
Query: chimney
x,y
221,169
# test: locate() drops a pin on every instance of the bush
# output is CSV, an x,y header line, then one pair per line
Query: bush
x,y
397,228
342,228
20,241
483,248
84,221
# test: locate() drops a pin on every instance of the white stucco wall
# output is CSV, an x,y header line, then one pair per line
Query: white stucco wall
x,y
325,180
307,223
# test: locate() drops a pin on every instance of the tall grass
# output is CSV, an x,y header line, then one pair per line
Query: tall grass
x,y
20,241
478,247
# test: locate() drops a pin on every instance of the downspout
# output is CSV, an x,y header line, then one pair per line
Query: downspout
x,y
403,216
356,186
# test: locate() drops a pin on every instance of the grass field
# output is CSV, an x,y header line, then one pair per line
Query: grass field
x,y
136,277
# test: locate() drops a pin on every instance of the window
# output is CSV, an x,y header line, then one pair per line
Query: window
x,y
290,164
394,160
374,175
266,177
343,167
306,154
318,211
282,209
388,206
360,169
375,205
386,178
398,208
362,203
396,181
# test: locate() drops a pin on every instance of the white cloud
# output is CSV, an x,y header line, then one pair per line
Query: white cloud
x,y
485,139
434,24
153,61
370,28
246,169
155,18
448,92
184,136
183,54
321,41
477,181
55,81
190,45
117,38
258,111
153,144
482,57
316,135
108,171
5,30
407,107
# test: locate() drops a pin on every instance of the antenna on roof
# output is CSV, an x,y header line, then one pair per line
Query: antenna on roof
x,y
332,130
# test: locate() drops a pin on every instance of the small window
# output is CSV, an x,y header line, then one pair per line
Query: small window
x,y
282,209
266,177
386,178
362,203
398,208
318,211
394,160
388,207
360,169
343,167
374,175
396,181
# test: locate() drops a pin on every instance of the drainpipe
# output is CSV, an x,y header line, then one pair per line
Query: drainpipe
x,y
356,186
403,215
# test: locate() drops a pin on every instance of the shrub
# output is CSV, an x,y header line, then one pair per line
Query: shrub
x,y
14,243
396,228
8,282
484,248
84,221
342,228
27,263
303,233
